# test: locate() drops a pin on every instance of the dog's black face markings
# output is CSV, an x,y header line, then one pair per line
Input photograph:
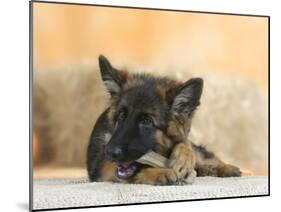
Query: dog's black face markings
x,y
140,111
136,120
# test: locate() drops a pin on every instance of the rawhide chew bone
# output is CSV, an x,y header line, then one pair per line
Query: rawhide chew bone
x,y
156,160
153,159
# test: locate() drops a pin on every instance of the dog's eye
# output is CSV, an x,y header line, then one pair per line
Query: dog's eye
x,y
121,116
146,120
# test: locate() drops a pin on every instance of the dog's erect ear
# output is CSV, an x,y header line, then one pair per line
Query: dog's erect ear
x,y
187,97
112,78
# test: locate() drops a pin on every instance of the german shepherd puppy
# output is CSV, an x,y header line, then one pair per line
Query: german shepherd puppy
x,y
148,113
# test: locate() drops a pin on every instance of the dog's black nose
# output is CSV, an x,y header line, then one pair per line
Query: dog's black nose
x,y
115,153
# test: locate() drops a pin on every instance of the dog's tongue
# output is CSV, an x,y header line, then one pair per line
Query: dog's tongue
x,y
125,170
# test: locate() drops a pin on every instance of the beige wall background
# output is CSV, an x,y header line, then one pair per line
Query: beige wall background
x,y
71,34
168,43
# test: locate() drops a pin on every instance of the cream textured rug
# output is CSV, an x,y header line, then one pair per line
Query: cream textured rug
x,y
79,192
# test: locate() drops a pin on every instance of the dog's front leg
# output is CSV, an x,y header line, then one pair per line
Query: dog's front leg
x,y
156,176
182,160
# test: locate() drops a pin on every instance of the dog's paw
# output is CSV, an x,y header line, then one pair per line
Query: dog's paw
x,y
168,177
182,166
182,160
157,176
228,170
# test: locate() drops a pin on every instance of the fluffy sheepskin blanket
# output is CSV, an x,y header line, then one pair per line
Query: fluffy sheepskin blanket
x,y
79,192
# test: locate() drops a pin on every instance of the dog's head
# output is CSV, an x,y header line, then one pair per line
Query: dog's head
x,y
143,108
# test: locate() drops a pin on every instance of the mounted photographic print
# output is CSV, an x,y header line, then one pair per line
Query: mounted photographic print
x,y
141,105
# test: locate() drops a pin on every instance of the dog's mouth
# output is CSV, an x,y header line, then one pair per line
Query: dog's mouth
x,y
126,170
